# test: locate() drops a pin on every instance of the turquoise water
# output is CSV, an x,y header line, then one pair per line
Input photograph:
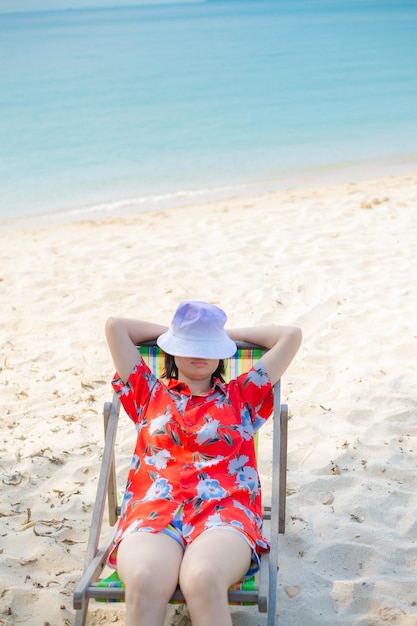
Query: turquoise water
x,y
135,107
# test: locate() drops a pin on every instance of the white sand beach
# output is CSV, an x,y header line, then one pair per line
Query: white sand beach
x,y
340,261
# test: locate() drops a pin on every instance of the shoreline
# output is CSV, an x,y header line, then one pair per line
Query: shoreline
x,y
326,176
336,260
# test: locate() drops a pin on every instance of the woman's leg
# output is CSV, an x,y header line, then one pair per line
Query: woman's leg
x,y
148,564
212,563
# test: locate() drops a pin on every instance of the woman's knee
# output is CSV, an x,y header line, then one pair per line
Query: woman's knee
x,y
148,566
140,578
201,579
212,563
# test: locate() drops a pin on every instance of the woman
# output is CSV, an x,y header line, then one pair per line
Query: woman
x,y
191,512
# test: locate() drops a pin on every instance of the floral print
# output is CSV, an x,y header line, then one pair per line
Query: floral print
x,y
196,454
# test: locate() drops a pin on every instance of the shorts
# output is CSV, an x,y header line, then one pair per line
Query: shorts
x,y
174,529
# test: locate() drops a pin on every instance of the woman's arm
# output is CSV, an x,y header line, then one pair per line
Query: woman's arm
x,y
122,334
282,343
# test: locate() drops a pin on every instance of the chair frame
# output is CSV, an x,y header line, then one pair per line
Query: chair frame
x,y
96,555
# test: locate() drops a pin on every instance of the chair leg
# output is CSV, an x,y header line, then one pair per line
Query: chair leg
x,y
283,467
272,582
81,615
263,587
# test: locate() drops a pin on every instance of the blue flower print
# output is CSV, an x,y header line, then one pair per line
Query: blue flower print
x,y
141,423
158,459
214,520
158,424
236,465
220,402
210,490
207,461
208,432
247,478
258,422
128,495
135,463
237,524
125,388
258,377
180,402
150,379
245,430
160,489
187,531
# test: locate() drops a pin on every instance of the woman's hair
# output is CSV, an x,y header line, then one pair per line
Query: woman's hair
x,y
171,370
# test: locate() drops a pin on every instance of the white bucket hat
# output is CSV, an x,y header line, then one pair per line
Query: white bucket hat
x,y
197,330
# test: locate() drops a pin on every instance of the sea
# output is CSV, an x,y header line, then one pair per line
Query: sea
x,y
118,109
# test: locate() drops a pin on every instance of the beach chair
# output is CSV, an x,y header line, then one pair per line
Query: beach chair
x,y
261,590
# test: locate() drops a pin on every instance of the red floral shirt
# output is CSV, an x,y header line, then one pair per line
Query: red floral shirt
x,y
196,452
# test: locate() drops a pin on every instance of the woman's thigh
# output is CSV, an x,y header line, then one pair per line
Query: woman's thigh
x,y
150,559
220,553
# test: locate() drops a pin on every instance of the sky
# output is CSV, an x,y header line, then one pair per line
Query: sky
x,y
15,6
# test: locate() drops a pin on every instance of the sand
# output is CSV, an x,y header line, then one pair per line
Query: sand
x,y
338,260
